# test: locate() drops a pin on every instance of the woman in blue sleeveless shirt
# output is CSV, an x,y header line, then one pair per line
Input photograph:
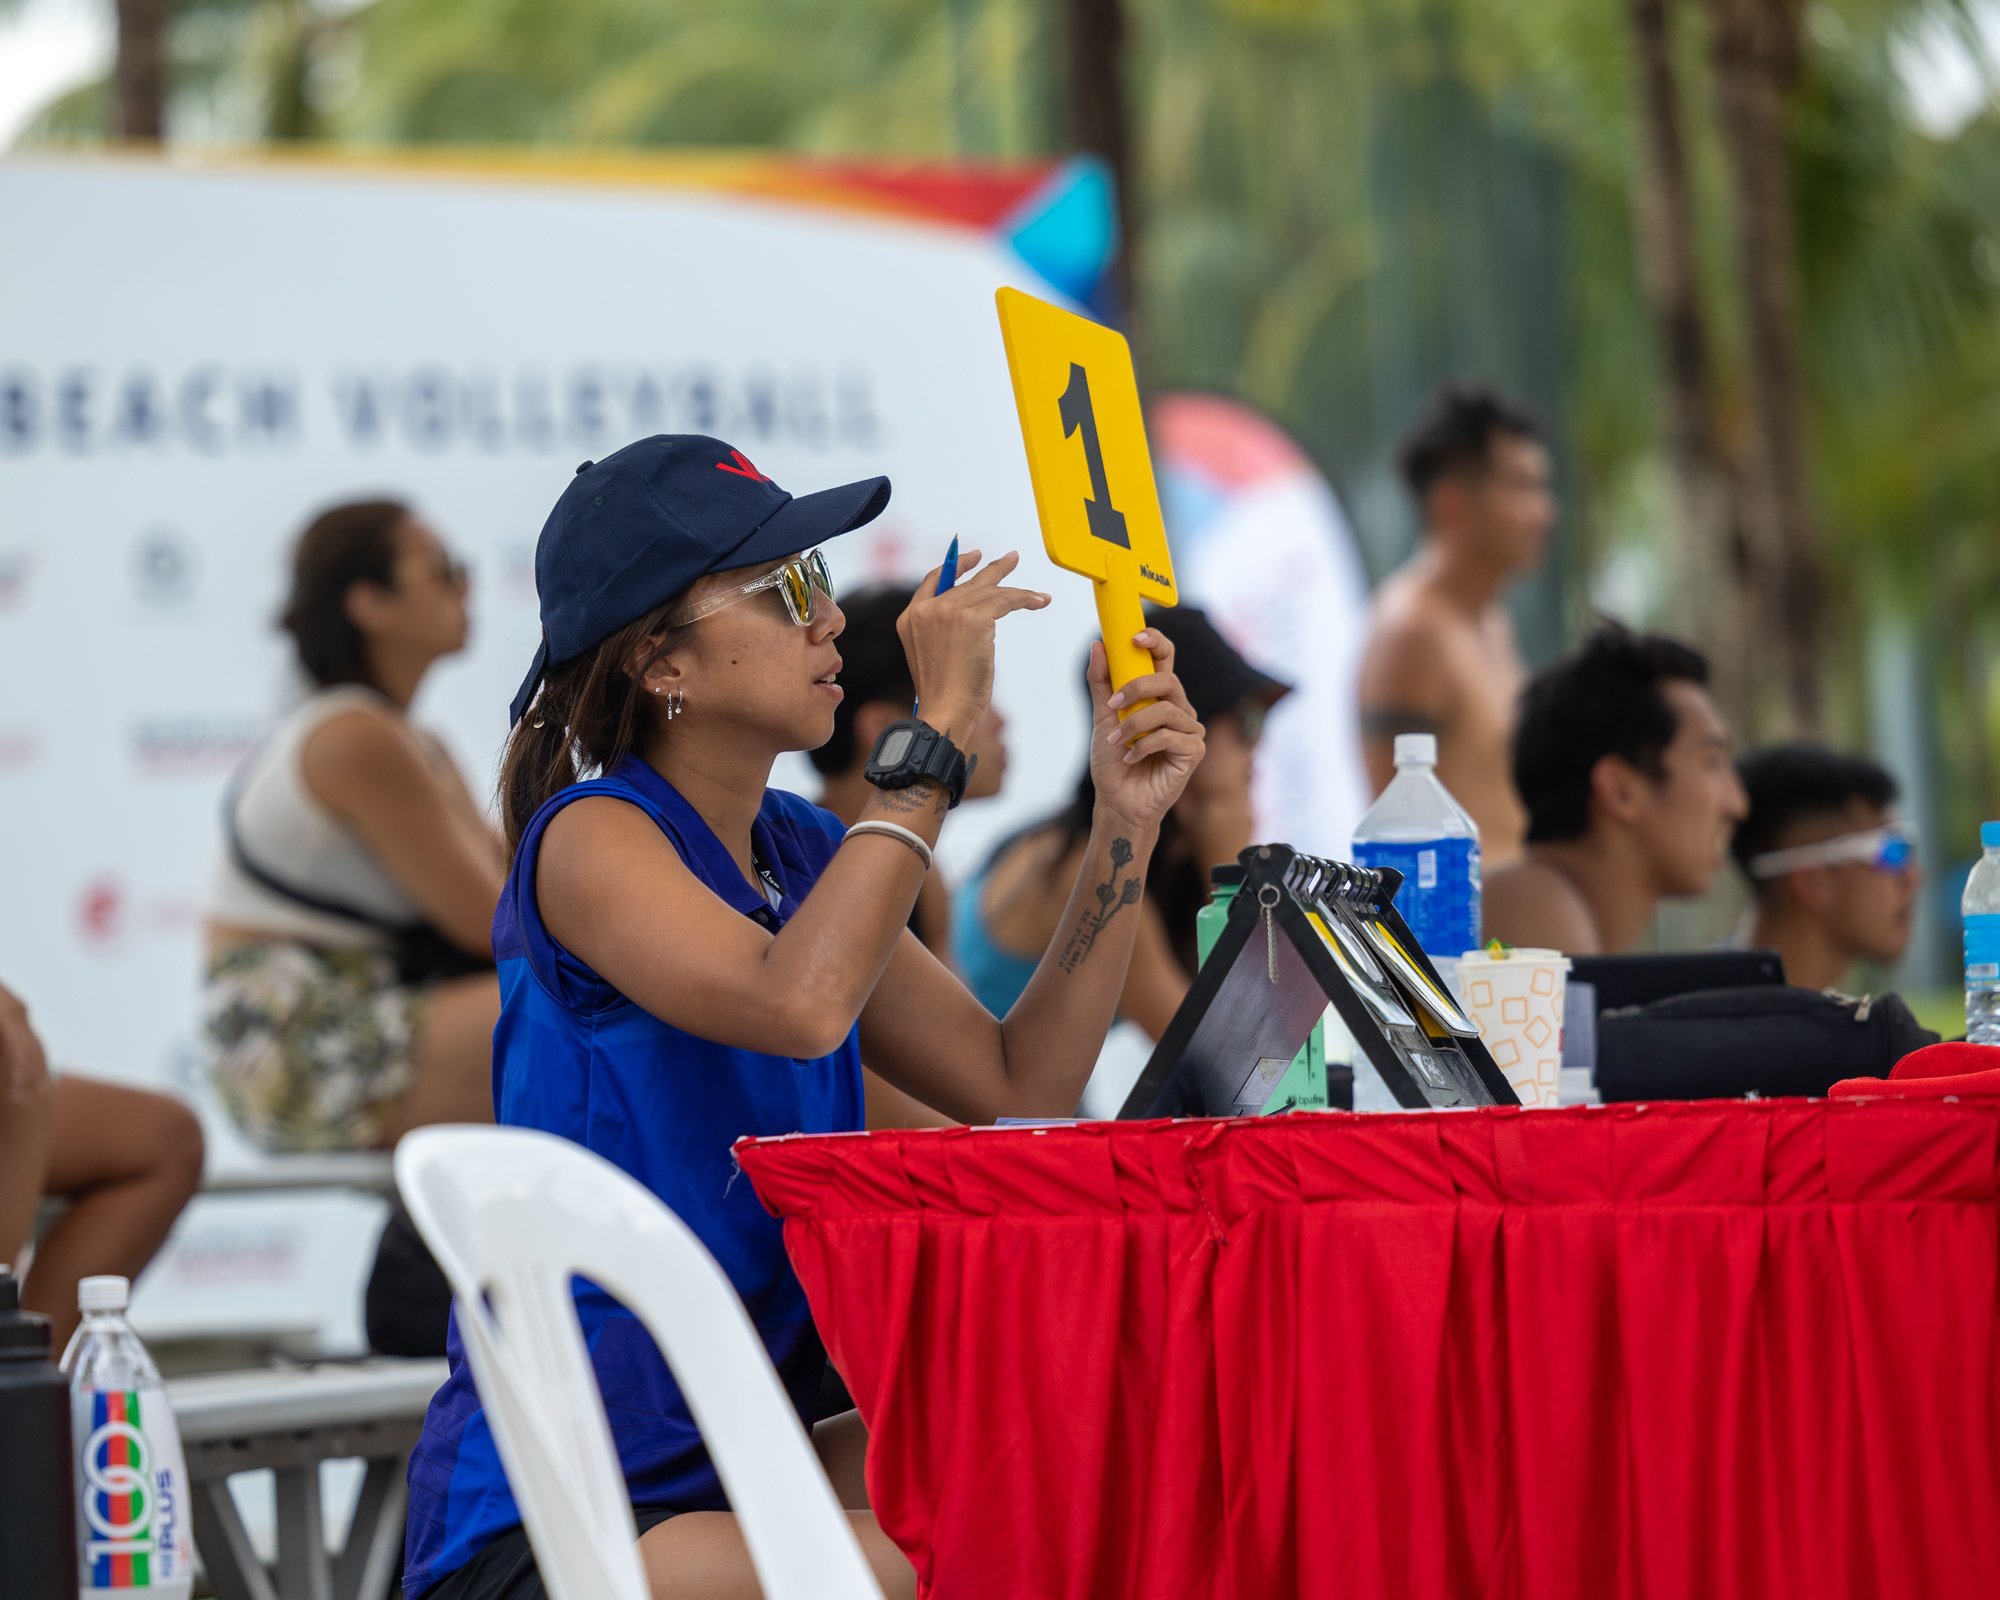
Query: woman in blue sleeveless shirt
x,y
687,956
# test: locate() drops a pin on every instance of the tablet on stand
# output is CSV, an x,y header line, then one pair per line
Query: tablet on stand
x,y
1302,933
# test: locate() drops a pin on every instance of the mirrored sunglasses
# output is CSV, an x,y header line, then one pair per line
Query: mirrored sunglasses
x,y
797,582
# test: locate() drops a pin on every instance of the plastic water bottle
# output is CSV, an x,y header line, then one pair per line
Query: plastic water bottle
x,y
1981,907
134,1512
37,1518
1417,828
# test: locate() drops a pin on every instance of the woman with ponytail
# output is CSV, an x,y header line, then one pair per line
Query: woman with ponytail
x,y
688,956
350,991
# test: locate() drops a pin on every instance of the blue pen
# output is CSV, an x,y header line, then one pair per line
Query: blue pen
x,y
946,578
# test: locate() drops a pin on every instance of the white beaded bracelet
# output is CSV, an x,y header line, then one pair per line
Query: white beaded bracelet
x,y
896,831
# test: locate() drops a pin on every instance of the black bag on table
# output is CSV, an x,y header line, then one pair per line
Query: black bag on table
x,y
1721,1044
407,1302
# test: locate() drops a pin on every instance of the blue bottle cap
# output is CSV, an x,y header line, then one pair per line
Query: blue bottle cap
x,y
1989,835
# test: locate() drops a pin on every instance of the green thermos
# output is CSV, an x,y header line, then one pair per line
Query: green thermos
x,y
1303,1087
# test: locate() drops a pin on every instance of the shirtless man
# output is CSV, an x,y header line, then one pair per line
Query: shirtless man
x,y
1624,764
1441,656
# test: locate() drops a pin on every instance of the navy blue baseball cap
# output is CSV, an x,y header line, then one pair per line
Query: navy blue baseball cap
x,y
637,528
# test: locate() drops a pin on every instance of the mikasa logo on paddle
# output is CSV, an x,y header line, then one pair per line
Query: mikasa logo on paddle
x,y
1151,576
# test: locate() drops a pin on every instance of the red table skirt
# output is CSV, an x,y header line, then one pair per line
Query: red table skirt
x,y
1701,1350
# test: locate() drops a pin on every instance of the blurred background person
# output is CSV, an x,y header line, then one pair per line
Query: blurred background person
x,y
350,995
1624,764
1005,916
126,1160
1441,656
1833,870
875,673
879,690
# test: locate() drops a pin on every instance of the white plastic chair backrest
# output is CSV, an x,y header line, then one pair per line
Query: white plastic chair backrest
x,y
512,1215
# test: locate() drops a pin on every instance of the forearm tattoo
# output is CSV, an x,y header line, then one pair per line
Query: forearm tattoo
x,y
1112,898
915,798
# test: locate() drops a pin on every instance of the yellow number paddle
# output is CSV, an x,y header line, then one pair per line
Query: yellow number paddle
x,y
1087,457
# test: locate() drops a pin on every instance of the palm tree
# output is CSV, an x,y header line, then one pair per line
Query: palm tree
x,y
1098,119
1666,226
1756,50
139,74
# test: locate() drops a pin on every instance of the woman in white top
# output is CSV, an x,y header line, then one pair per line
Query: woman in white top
x,y
351,843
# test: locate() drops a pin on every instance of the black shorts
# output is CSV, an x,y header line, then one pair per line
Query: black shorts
x,y
505,1569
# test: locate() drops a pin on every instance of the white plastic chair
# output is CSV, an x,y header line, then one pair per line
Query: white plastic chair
x,y
511,1215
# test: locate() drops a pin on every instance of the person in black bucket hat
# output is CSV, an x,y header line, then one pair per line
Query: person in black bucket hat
x,y
1000,916
688,956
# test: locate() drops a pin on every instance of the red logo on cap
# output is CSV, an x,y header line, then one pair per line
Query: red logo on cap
x,y
744,467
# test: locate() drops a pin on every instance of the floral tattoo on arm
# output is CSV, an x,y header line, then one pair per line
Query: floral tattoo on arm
x,y
1112,898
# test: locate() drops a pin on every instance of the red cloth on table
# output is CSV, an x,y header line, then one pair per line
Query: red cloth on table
x,y
1932,1072
1715,1350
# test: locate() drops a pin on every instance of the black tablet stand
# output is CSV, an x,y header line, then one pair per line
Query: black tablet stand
x,y
1272,974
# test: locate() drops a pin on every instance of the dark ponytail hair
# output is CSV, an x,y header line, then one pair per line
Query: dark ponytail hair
x,y
585,720
342,546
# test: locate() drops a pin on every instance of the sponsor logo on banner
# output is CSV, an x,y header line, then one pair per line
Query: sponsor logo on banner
x,y
17,566
109,915
231,1248
888,554
20,749
163,569
186,746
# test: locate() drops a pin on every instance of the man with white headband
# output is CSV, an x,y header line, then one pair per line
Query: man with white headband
x,y
1834,872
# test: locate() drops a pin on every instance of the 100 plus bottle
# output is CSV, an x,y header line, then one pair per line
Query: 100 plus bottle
x,y
133,1512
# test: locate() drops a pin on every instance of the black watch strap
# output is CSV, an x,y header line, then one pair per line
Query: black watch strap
x,y
912,751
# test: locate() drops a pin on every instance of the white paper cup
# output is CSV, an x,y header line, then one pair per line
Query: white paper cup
x,y
1517,1000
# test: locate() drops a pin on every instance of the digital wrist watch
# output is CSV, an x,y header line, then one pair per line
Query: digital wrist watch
x,y
912,751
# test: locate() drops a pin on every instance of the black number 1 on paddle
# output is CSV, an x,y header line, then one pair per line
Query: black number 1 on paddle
x,y
1107,522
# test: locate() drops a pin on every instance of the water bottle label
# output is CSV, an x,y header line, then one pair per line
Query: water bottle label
x,y
1982,948
1440,894
135,1515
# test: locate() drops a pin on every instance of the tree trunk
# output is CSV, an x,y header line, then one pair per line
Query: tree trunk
x,y
1099,124
139,78
1754,48
1715,582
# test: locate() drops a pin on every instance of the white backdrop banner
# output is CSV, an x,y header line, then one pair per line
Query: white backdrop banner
x,y
195,360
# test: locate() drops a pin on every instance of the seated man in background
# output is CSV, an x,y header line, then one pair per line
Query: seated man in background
x,y
1834,872
877,691
1623,762
127,1160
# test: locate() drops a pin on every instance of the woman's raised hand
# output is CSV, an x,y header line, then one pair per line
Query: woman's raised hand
x,y
948,639
1141,765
